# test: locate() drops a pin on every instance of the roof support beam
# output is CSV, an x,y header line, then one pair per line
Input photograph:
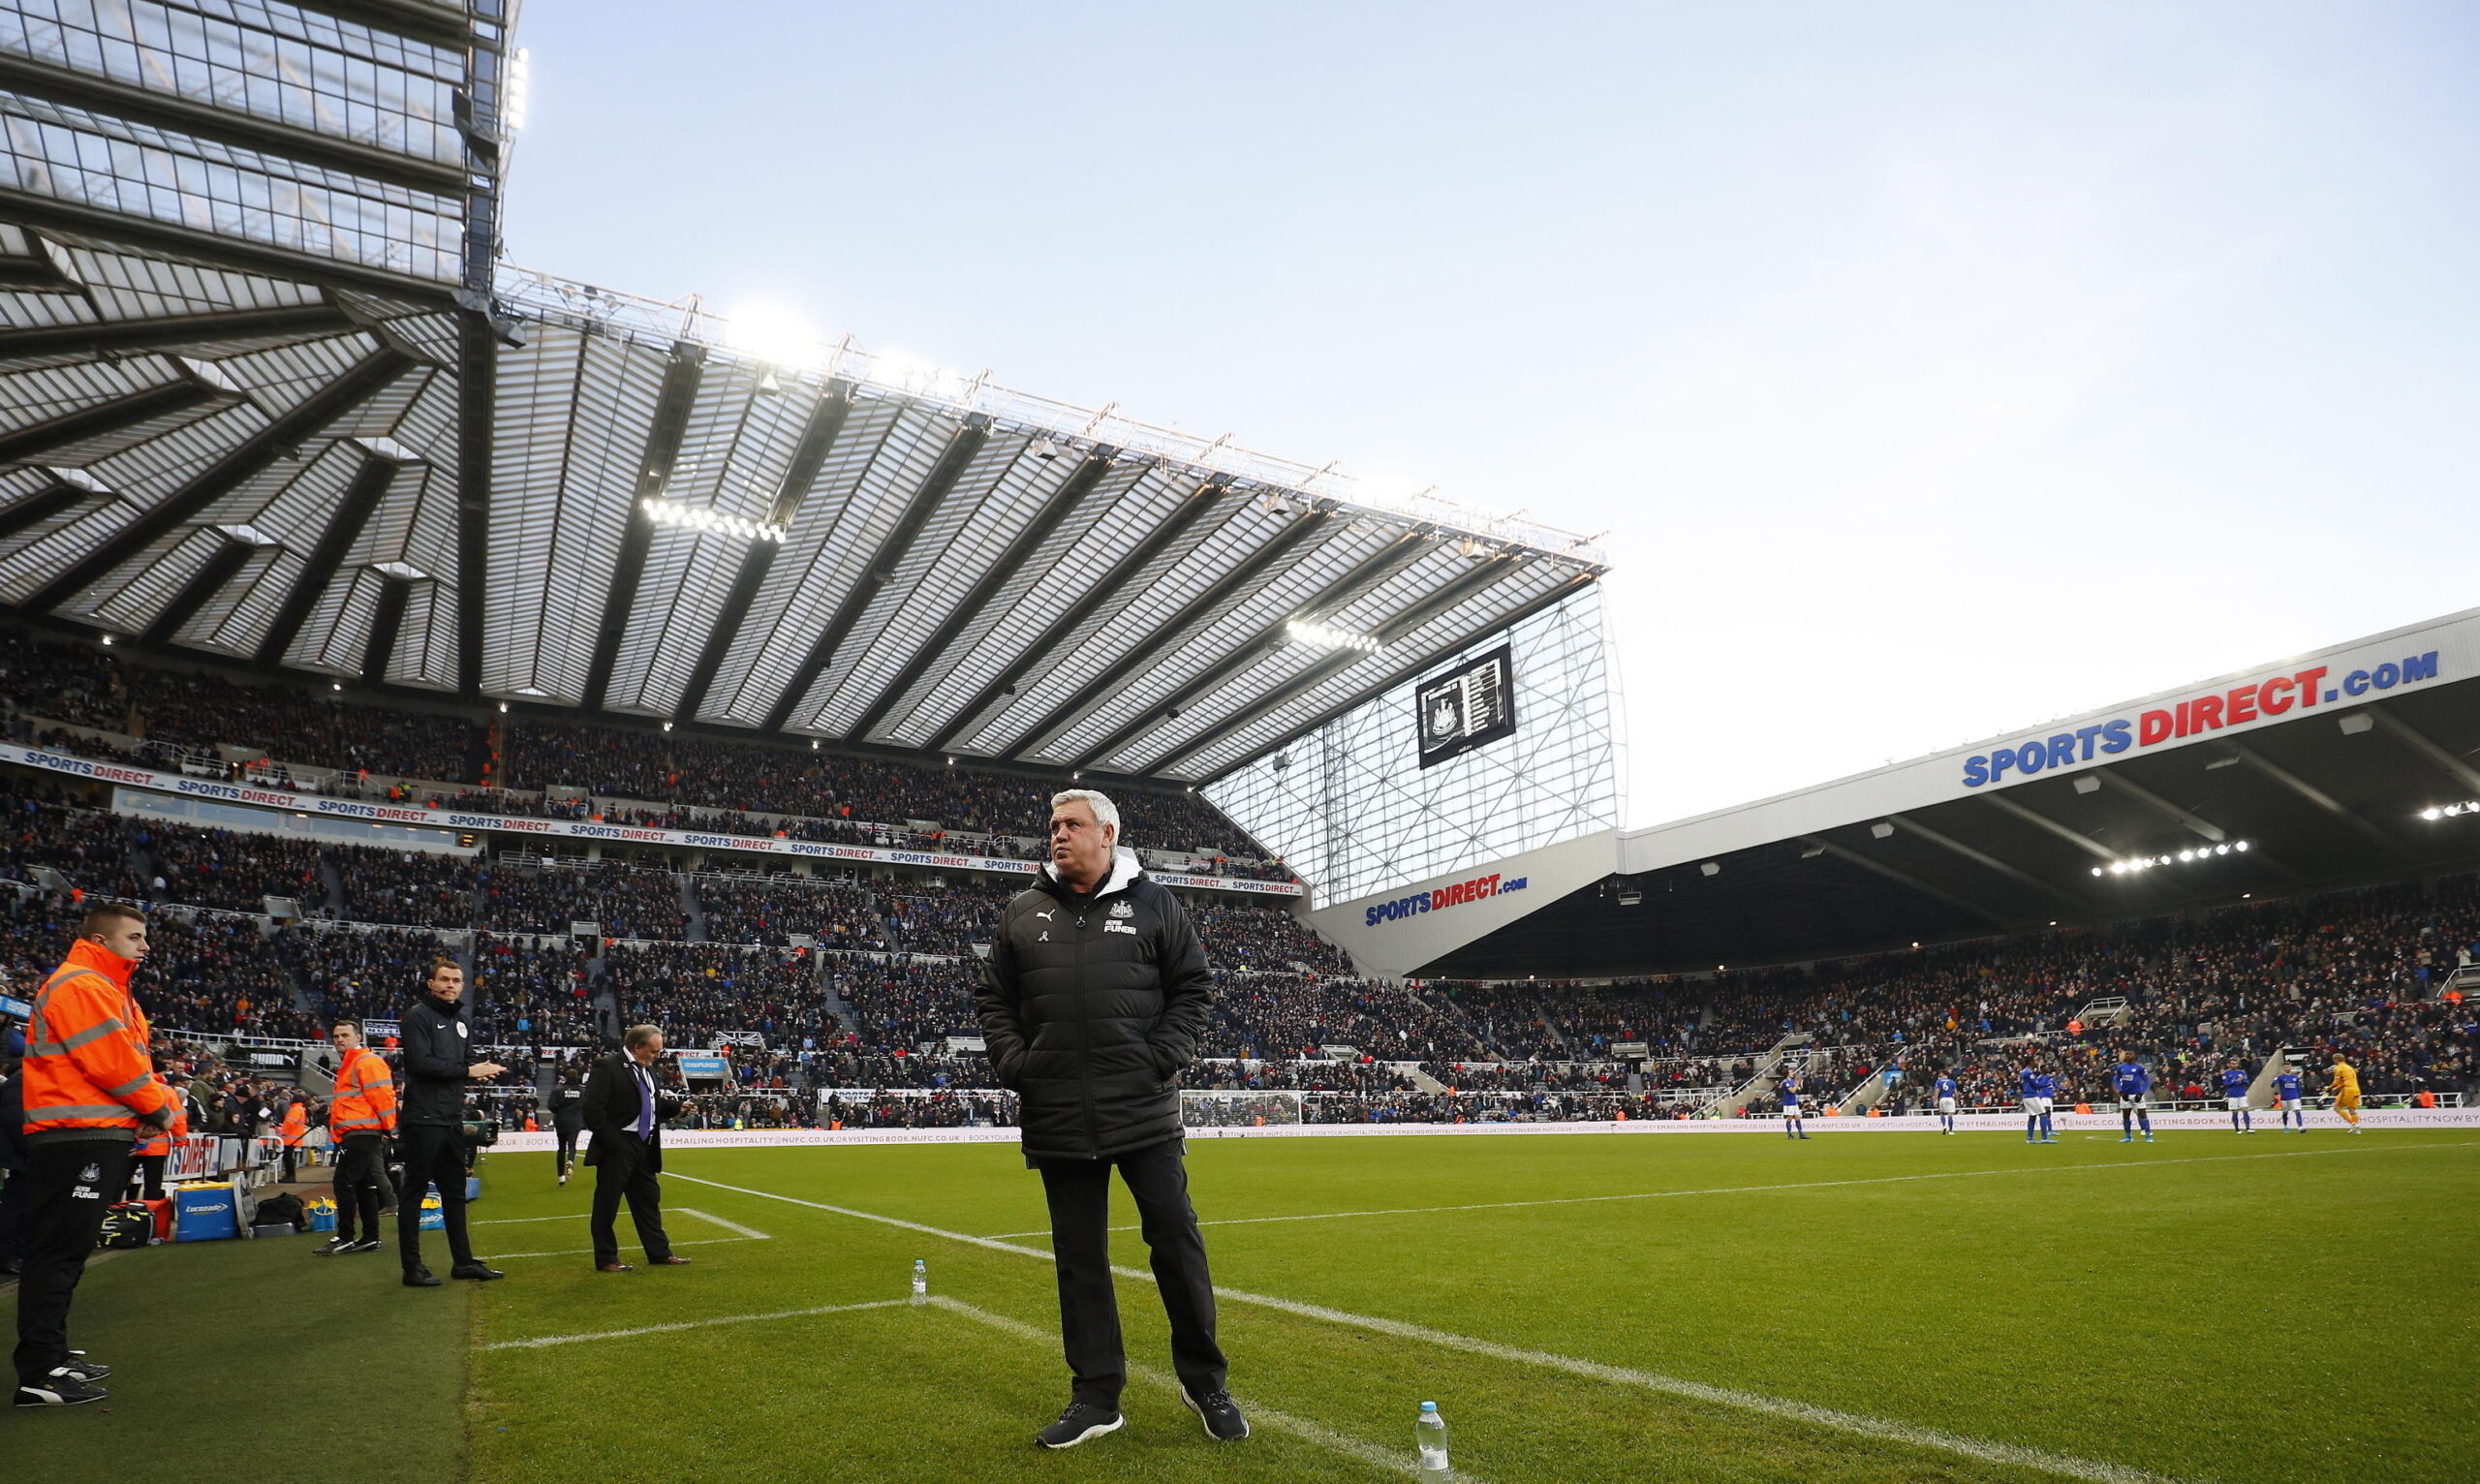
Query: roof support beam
x,y
177,396
208,579
1985,860
2082,841
305,420
670,423
110,336
2146,796
1486,575
200,121
1063,503
2366,828
1344,590
411,18
818,439
2418,741
1429,662
1200,502
200,246
384,625
41,506
1149,649
477,368
1901,878
360,501
880,570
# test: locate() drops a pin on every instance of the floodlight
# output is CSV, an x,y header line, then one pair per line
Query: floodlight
x,y
778,335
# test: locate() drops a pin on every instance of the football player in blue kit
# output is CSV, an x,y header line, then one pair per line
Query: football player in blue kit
x,y
2132,1082
1946,1096
1791,1120
2234,1092
2286,1096
2038,1089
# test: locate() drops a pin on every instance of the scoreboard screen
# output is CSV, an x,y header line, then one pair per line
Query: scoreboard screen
x,y
1469,706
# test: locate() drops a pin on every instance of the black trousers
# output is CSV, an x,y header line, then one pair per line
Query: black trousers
x,y
433,1152
70,1184
150,1175
568,1153
13,1217
620,1172
1079,1193
358,1177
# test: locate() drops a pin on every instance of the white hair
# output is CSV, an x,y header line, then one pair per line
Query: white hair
x,y
1105,811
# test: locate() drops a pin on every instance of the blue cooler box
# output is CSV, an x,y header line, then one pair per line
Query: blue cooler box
x,y
204,1216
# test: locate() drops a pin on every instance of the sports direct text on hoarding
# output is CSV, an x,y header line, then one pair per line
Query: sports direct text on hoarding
x,y
2258,700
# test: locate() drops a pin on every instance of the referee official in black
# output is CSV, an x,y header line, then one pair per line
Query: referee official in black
x,y
1092,1002
436,1033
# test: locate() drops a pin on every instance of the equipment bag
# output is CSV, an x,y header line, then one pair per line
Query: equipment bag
x,y
127,1226
284,1207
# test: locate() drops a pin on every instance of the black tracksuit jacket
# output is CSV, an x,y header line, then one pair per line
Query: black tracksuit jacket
x,y
1089,1007
434,1041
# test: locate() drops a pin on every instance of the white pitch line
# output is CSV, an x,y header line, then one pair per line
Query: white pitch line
x,y
713,1219
587,1252
543,1341
1258,1415
2092,1471
519,1221
1799,1185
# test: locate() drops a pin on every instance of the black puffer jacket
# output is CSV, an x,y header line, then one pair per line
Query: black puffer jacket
x,y
1089,1007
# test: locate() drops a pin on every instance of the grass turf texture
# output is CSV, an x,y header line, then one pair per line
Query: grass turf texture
x,y
2170,1309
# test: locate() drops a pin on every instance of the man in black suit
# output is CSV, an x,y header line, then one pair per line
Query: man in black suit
x,y
625,1114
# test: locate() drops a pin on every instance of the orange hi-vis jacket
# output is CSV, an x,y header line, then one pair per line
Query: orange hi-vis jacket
x,y
87,1074
365,1100
297,1123
161,1141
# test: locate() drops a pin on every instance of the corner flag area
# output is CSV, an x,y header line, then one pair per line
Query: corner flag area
x,y
1581,1306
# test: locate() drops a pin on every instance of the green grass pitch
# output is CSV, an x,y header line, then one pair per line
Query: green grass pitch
x,y
1872,1307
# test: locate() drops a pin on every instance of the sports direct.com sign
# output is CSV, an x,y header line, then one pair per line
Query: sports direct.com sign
x,y
1479,888
2259,700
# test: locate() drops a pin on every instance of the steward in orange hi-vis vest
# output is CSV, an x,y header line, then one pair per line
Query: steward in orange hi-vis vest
x,y
90,1088
365,1100
87,1072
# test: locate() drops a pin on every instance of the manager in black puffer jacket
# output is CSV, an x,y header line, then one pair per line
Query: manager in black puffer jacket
x,y
1092,1002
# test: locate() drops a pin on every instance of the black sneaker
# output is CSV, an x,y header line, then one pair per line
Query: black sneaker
x,y
475,1271
59,1389
84,1370
1080,1423
365,1245
419,1277
1220,1415
333,1246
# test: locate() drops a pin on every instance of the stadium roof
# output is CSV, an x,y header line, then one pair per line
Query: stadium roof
x,y
288,436
2378,779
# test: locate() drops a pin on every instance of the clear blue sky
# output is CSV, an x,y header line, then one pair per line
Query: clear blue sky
x,y
1936,369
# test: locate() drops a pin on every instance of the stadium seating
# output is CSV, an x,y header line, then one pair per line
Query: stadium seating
x,y
344,745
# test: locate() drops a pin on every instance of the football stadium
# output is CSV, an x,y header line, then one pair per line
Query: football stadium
x,y
483,748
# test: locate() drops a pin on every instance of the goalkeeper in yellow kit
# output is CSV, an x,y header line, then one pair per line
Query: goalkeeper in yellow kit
x,y
2345,1081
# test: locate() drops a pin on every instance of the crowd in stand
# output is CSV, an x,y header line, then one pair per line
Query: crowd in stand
x,y
770,910
326,742
627,901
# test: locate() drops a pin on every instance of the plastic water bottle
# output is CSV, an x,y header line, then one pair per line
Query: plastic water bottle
x,y
920,1281
1429,1435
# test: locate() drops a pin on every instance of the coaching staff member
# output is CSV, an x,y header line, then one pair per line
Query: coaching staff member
x,y
431,1119
90,1087
626,1113
1092,1000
